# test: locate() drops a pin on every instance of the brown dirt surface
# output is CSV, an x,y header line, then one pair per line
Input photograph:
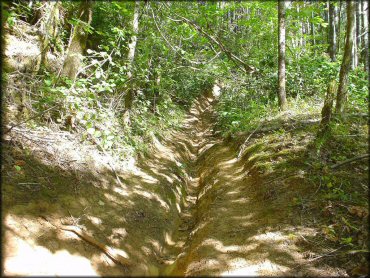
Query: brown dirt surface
x,y
190,208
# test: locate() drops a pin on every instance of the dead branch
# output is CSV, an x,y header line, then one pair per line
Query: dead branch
x,y
242,148
349,161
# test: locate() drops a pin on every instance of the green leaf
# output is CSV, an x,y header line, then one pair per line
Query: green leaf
x,y
48,82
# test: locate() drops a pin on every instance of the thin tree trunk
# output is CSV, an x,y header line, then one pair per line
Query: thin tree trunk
x,y
77,44
332,32
313,42
354,48
339,20
365,22
346,62
130,57
326,111
358,30
281,89
48,28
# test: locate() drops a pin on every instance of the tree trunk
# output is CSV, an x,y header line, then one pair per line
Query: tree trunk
x,y
332,32
354,40
365,23
339,20
281,89
358,30
313,40
129,98
326,111
49,29
78,40
346,62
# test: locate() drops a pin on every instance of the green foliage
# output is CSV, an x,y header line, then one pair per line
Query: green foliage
x,y
358,90
309,76
174,63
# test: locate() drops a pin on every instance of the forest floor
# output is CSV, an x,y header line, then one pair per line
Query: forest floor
x,y
191,207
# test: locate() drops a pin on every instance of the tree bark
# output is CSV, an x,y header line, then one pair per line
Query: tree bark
x,y
326,111
48,29
358,30
354,40
129,98
346,62
339,22
332,32
77,44
313,40
281,87
365,23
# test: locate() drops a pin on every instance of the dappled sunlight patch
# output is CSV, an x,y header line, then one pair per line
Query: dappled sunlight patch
x,y
204,190
169,239
240,267
167,177
156,245
270,236
94,220
204,263
152,196
216,90
200,226
219,246
28,258
121,191
111,198
146,177
243,217
242,200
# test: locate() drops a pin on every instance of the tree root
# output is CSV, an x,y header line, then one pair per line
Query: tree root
x,y
112,253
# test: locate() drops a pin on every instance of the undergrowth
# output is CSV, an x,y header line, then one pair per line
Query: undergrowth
x,y
246,101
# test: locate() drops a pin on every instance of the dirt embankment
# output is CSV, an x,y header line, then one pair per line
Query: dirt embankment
x,y
51,181
190,208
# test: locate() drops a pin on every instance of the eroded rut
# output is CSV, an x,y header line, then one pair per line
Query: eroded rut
x,y
191,208
227,228
199,127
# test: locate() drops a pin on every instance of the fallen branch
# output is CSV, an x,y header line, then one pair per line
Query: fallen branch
x,y
349,161
245,142
109,251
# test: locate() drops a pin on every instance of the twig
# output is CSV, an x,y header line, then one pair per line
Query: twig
x,y
349,161
245,142
324,255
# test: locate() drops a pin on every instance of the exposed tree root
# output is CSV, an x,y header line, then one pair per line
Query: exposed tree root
x,y
112,253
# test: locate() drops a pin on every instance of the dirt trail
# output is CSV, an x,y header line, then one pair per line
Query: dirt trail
x,y
228,229
190,208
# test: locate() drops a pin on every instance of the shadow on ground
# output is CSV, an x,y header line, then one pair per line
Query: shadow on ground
x,y
189,208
